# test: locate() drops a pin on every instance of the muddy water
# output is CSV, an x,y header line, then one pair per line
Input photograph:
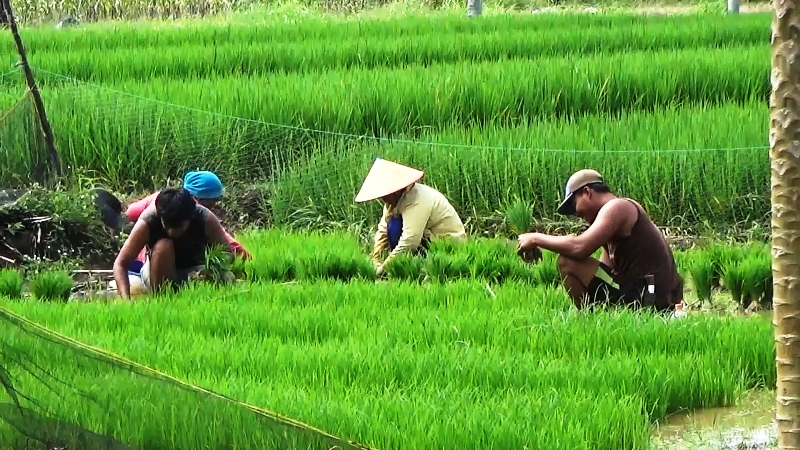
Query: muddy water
x,y
749,425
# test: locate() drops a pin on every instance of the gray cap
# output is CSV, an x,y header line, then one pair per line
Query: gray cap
x,y
578,180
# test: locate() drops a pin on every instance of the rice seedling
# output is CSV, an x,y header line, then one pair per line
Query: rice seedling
x,y
406,267
51,286
399,100
326,173
209,51
758,277
519,215
11,283
547,271
452,352
701,269
440,267
734,278
218,267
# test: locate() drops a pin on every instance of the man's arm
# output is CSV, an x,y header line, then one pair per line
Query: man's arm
x,y
609,221
415,218
216,234
135,242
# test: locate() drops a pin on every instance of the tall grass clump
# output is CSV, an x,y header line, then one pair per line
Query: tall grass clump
x,y
11,283
52,285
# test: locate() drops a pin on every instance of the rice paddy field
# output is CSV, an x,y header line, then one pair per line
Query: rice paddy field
x,y
671,109
491,354
468,348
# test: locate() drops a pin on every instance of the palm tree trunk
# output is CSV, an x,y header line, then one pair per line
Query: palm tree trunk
x,y
784,139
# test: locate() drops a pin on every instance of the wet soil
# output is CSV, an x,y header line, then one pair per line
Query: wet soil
x,y
748,425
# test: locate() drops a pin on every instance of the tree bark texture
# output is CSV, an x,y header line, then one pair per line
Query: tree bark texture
x,y
784,140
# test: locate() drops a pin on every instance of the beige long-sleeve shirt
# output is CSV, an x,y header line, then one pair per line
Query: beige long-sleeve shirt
x,y
426,214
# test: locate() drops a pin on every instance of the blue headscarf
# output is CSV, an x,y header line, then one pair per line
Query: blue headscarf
x,y
203,185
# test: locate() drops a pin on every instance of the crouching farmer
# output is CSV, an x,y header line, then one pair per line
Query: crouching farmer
x,y
633,249
413,213
176,233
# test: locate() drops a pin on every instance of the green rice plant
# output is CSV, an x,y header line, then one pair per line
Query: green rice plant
x,y
281,268
440,266
212,49
407,267
734,279
701,270
445,246
547,270
399,101
52,286
454,353
11,283
256,59
645,168
518,215
755,274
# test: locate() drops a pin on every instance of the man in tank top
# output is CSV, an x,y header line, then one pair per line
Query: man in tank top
x,y
633,248
176,232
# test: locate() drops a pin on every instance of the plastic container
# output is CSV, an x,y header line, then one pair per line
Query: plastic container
x,y
679,312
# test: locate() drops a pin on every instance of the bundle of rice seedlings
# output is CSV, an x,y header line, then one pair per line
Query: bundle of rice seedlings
x,y
519,215
441,267
52,285
11,283
753,279
701,271
281,268
343,267
406,266
218,268
734,280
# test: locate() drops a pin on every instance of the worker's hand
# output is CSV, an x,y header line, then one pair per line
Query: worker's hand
x,y
526,241
228,277
527,248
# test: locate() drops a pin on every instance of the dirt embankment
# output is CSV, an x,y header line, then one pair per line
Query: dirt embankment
x,y
47,225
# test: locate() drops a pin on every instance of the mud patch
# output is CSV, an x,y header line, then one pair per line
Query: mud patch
x,y
749,425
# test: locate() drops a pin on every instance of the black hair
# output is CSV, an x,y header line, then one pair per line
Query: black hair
x,y
598,187
175,206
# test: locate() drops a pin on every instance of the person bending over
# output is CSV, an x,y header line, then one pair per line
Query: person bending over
x,y
413,213
205,187
633,248
176,233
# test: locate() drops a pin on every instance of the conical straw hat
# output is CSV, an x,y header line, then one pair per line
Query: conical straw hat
x,y
386,177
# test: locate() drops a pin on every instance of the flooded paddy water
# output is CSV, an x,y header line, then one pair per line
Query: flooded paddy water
x,y
749,425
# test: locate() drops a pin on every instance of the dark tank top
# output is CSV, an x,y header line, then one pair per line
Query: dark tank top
x,y
190,247
646,251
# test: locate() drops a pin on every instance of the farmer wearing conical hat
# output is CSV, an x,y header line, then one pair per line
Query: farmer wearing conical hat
x,y
633,249
413,213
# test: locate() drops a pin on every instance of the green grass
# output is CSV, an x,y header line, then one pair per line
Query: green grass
x,y
416,99
519,368
211,51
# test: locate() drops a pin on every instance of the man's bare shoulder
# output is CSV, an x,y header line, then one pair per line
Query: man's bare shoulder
x,y
619,211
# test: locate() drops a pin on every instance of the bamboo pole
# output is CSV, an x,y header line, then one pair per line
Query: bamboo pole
x,y
37,98
784,137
